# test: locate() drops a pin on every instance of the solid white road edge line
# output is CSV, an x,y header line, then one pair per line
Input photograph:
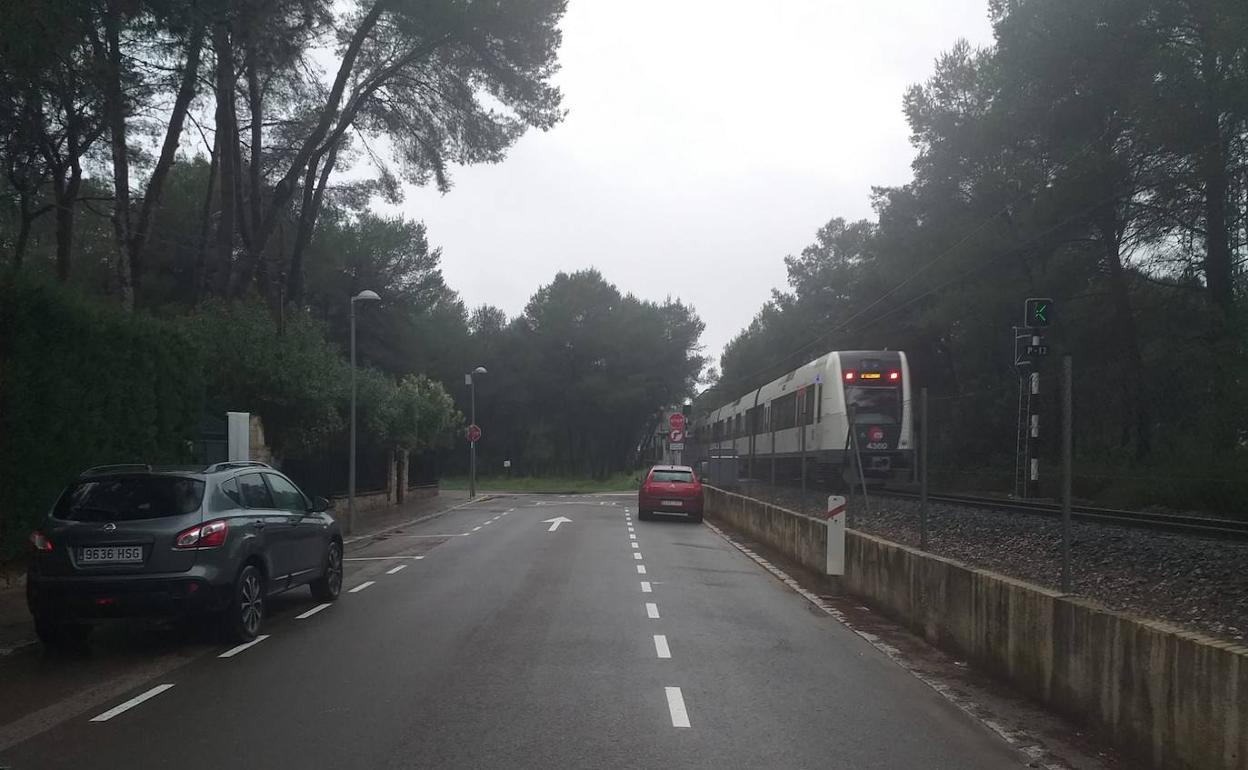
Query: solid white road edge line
x,y
380,558
652,610
361,586
393,570
676,705
318,608
136,700
645,586
660,646
641,569
232,652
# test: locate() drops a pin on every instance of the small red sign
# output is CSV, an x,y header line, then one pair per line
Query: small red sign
x,y
876,434
474,433
676,421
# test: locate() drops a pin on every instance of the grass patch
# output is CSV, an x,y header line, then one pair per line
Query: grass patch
x,y
619,482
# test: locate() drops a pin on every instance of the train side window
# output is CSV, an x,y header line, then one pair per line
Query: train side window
x,y
819,402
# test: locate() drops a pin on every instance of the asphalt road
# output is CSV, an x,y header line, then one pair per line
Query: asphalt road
x,y
483,639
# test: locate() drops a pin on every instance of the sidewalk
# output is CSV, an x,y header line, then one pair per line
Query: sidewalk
x,y
17,630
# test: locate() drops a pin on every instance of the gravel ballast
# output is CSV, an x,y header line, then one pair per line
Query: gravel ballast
x,y
1198,583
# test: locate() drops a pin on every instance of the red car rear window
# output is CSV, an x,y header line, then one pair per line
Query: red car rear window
x,y
680,477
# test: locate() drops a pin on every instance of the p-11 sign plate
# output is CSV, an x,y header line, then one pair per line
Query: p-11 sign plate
x,y
676,447
110,554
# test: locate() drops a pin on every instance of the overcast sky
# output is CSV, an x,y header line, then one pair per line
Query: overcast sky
x,y
704,141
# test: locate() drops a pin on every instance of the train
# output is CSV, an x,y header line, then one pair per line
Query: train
x,y
799,423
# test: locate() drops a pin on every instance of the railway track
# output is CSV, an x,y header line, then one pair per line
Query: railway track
x,y
1204,526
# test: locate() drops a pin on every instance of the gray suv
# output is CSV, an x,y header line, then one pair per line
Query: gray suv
x,y
137,540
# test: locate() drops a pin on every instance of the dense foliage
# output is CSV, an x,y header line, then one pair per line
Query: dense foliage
x,y
577,381
1096,153
83,384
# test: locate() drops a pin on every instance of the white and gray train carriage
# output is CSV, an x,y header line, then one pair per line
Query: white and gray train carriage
x,y
806,413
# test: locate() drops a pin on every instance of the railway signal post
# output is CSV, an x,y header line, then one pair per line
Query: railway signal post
x,y
1030,348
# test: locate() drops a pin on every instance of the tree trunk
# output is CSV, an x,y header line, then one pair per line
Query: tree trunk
x,y
1137,425
227,145
168,151
23,230
115,105
1219,266
313,195
66,194
205,222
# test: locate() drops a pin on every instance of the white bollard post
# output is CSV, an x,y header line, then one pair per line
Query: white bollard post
x,y
836,535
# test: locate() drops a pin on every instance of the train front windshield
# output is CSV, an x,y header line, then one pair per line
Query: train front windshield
x,y
874,404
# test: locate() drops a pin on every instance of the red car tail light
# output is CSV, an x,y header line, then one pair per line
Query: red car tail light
x,y
209,535
40,541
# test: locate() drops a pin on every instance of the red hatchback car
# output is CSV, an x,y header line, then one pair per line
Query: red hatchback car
x,y
672,489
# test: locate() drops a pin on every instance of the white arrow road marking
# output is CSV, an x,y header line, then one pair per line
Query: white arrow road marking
x,y
555,522
136,700
676,705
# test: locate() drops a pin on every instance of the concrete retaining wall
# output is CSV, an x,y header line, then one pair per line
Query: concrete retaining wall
x,y
1171,698
799,537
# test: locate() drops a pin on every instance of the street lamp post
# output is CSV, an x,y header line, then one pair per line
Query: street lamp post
x,y
364,296
472,445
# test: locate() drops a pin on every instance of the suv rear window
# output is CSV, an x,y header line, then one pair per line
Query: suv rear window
x,y
685,477
128,498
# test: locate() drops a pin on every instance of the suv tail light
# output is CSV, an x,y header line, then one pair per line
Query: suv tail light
x,y
40,541
208,535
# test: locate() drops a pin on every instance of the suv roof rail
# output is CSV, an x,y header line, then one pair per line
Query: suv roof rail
x,y
117,468
236,464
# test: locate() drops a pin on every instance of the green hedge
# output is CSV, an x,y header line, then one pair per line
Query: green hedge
x,y
83,384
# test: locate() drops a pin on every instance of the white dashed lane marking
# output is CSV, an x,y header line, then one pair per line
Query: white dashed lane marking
x,y
474,529
236,650
652,610
136,700
634,544
641,569
645,586
361,587
393,570
632,536
660,646
676,705
320,607
637,556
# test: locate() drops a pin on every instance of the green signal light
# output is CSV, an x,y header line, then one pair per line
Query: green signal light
x,y
1038,312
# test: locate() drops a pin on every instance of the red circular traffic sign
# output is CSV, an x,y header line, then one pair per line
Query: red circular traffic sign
x,y
676,421
474,433
876,433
